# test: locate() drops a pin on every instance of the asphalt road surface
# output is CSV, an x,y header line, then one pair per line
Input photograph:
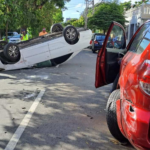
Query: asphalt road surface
x,y
55,108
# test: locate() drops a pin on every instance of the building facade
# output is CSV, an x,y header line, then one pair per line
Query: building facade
x,y
136,17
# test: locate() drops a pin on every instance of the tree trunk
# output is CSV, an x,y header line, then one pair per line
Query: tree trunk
x,y
0,34
6,31
104,31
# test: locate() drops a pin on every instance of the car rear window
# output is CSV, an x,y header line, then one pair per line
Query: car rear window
x,y
100,37
141,40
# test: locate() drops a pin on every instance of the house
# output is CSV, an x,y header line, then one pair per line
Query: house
x,y
136,17
67,19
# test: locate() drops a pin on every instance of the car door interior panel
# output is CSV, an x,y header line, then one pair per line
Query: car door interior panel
x,y
113,50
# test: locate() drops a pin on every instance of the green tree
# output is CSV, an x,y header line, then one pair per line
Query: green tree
x,y
105,14
69,22
138,3
126,5
15,14
79,23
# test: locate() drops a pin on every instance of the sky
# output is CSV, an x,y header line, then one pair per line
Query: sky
x,y
76,7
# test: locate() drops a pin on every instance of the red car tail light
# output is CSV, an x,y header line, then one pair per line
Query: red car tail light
x,y
95,42
91,42
147,63
145,81
145,87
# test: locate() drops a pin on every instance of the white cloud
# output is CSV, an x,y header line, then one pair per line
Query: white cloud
x,y
132,1
75,13
80,5
96,1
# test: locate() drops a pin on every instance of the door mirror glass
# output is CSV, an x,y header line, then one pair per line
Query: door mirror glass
x,y
116,38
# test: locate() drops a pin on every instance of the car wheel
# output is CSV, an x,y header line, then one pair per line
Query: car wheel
x,y
56,28
111,117
93,50
12,52
2,44
71,35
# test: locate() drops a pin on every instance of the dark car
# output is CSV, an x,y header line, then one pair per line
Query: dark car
x,y
97,41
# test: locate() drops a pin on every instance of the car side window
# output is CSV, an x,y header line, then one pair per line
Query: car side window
x,y
117,38
144,43
139,43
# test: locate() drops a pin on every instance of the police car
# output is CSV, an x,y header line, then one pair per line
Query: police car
x,y
59,46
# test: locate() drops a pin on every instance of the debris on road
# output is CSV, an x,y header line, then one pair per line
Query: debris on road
x,y
23,107
30,95
42,77
89,116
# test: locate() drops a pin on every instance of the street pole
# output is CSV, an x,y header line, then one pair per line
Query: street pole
x,y
86,13
93,5
87,3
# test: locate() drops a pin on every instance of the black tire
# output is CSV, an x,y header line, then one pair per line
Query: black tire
x,y
12,52
71,34
93,50
111,117
2,44
56,28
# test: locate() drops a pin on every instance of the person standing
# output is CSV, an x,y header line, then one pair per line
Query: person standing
x,y
24,35
43,32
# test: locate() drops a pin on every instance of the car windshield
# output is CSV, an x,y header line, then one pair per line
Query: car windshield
x,y
100,37
16,36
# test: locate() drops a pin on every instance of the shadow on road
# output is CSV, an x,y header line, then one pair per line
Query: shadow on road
x,y
71,115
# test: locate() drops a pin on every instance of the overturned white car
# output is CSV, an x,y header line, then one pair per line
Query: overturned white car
x,y
58,46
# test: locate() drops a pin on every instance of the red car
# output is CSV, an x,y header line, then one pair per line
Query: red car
x,y
128,106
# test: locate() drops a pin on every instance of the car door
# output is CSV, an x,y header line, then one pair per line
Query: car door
x,y
114,47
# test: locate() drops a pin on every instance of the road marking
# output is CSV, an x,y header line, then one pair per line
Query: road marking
x,y
15,138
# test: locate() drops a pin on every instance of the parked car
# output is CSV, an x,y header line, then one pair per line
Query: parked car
x,y
15,39
97,41
59,46
128,106
10,35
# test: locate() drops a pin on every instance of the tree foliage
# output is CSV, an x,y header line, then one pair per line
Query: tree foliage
x,y
105,14
33,14
75,22
138,3
79,23
128,5
69,22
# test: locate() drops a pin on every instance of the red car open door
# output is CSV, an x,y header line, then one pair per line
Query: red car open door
x,y
114,47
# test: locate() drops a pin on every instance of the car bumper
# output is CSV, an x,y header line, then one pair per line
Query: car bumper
x,y
97,47
134,123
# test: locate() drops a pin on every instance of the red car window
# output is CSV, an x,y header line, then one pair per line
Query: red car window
x,y
139,37
144,43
